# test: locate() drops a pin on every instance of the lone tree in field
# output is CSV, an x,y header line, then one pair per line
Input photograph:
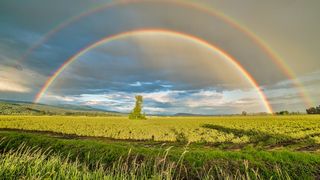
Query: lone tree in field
x,y
136,113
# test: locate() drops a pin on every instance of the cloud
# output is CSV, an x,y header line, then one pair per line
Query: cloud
x,y
169,71
135,84
286,95
205,98
16,80
160,62
162,96
92,28
9,86
204,101
11,82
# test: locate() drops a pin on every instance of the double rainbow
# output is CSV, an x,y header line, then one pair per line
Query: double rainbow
x,y
210,11
232,61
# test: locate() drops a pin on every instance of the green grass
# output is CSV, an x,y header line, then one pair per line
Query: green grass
x,y
91,158
28,163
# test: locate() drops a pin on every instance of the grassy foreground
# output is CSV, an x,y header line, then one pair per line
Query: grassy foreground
x,y
25,155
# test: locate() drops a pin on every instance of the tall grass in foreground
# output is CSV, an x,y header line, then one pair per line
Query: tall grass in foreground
x,y
35,163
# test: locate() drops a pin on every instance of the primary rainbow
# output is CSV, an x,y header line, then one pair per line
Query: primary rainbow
x,y
202,8
194,39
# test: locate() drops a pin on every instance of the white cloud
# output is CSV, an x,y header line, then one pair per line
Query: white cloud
x,y
17,80
136,84
50,97
162,96
7,85
169,101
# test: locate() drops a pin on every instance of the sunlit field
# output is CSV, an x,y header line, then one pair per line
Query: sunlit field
x,y
236,147
238,129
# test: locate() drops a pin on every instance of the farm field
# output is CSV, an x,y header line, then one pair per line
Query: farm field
x,y
234,147
263,130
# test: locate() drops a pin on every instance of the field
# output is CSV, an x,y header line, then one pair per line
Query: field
x,y
237,130
257,147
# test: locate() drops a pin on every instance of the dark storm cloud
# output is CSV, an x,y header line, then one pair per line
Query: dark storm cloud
x,y
40,16
290,28
104,23
154,67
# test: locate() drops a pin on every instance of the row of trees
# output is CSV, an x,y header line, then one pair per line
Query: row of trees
x,y
285,112
136,113
313,110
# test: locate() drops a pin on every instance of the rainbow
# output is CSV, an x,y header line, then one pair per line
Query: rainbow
x,y
194,39
210,11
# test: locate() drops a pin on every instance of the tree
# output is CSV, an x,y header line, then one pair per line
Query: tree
x,y
283,112
244,113
313,110
136,113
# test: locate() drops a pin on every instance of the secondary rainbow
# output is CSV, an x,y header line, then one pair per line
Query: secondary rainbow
x,y
210,11
194,39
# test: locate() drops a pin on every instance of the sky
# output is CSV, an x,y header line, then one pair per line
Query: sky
x,y
174,74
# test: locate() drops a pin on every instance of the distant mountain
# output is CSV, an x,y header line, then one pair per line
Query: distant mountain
x,y
8,107
81,108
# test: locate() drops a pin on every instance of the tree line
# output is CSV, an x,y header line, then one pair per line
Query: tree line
x,y
313,110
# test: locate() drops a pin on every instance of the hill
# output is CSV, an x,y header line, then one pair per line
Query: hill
x,y
27,108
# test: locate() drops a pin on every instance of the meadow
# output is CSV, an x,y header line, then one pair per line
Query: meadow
x,y
234,147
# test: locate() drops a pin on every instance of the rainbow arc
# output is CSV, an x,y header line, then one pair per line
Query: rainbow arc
x,y
232,61
274,57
